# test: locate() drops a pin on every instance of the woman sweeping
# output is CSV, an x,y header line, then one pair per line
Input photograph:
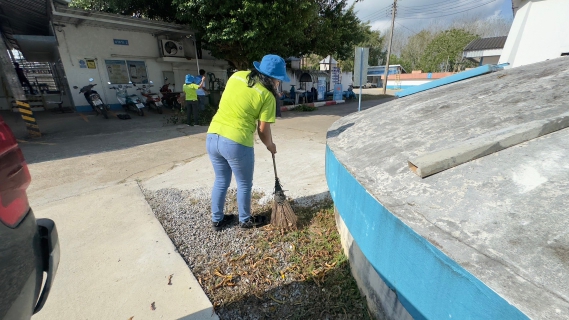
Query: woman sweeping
x,y
248,100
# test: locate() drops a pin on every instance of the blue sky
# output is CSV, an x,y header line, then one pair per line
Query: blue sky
x,y
416,14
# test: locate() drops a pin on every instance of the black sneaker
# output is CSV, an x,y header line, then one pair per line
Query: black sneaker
x,y
227,219
254,222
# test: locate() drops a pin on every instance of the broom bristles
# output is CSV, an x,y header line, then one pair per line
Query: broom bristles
x,y
283,216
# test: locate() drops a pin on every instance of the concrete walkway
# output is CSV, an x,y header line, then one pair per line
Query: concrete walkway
x,y
116,261
115,256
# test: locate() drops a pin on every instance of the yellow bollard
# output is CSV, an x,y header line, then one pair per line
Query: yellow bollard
x,y
28,117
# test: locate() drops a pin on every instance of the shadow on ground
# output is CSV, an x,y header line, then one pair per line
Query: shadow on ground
x,y
75,134
78,134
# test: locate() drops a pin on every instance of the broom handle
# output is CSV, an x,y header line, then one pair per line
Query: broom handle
x,y
275,166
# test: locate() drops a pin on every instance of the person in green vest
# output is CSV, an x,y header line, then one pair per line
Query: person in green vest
x,y
192,105
247,104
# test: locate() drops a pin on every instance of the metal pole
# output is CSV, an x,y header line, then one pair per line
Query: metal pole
x,y
330,72
361,76
386,73
197,59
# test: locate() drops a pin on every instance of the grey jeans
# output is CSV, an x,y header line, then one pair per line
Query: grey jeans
x,y
192,108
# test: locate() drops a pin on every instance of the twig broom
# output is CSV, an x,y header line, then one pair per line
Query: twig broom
x,y
283,216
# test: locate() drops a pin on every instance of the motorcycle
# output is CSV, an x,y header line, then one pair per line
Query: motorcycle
x,y
169,98
94,99
153,101
128,101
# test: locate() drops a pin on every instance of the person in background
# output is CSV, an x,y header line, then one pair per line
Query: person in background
x,y
22,77
314,92
202,92
279,104
248,103
192,106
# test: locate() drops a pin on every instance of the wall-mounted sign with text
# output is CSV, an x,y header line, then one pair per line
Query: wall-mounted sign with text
x,y
118,73
121,42
91,64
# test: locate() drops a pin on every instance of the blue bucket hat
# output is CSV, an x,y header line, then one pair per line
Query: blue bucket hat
x,y
198,79
273,66
189,79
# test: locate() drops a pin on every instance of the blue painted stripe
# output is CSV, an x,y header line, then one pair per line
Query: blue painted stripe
x,y
450,79
395,87
428,283
88,108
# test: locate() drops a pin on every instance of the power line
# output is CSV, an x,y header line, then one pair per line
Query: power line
x,y
446,7
431,5
450,14
405,27
384,9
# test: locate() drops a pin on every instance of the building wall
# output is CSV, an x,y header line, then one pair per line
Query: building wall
x,y
490,60
538,33
88,42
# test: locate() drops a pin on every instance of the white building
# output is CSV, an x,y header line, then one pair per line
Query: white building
x,y
75,45
538,33
119,49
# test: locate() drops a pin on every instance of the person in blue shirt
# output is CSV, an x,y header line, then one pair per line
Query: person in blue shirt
x,y
202,91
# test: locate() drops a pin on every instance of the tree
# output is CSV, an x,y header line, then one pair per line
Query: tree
x,y
372,40
244,31
413,51
151,9
410,46
444,52
241,31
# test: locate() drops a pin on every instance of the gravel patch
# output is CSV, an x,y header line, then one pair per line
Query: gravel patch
x,y
262,273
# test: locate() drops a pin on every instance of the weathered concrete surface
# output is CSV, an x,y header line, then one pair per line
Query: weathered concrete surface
x,y
501,217
116,260
464,151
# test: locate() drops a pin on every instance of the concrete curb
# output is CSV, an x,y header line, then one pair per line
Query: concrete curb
x,y
314,104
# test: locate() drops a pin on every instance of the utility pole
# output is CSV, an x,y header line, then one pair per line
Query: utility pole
x,y
386,73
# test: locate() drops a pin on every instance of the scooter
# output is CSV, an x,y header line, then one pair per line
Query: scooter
x,y
169,98
94,99
127,101
152,99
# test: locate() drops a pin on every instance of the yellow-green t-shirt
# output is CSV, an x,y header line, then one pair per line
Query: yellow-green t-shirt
x,y
190,90
240,108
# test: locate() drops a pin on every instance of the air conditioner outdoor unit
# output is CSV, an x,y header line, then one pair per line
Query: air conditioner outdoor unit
x,y
172,48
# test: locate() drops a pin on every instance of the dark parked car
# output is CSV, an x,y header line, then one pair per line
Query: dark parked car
x,y
29,248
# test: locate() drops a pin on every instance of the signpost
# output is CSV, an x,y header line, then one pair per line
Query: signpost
x,y
335,75
360,70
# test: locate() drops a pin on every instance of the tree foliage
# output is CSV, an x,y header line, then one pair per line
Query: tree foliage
x,y
374,40
412,51
242,31
444,52
151,9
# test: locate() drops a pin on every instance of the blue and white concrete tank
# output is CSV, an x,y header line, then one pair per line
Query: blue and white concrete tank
x,y
454,203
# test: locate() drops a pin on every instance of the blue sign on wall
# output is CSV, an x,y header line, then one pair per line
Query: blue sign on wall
x,y
121,42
